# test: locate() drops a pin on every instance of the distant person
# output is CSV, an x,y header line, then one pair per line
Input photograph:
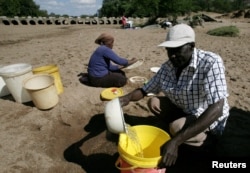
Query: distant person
x,y
166,24
104,67
126,23
130,22
194,109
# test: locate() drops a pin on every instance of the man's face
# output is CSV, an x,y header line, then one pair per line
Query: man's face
x,y
180,56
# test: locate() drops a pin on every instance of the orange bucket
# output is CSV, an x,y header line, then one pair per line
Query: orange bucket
x,y
127,168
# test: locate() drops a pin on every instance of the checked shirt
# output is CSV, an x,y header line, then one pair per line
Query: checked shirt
x,y
200,84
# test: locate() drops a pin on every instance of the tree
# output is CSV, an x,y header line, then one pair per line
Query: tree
x,y
146,8
222,6
13,8
10,8
110,8
29,8
239,4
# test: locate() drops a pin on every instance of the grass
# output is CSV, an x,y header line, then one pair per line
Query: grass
x,y
227,31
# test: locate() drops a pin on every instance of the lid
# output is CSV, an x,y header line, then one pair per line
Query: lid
x,y
111,93
138,79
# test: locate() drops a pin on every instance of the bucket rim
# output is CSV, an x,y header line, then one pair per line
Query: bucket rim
x,y
146,159
5,74
149,163
46,69
37,75
143,162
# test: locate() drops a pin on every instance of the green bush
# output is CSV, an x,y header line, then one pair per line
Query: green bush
x,y
231,31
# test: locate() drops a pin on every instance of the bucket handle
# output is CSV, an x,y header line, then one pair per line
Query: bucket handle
x,y
123,169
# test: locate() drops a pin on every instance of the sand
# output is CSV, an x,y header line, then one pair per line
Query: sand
x,y
72,136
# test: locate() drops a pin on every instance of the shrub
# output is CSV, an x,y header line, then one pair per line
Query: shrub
x,y
231,31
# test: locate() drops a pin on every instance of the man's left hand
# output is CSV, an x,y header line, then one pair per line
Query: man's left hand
x,y
169,152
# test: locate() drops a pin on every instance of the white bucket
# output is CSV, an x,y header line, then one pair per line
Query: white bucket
x,y
4,91
14,75
42,90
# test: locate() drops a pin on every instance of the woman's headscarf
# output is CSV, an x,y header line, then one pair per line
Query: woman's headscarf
x,y
105,39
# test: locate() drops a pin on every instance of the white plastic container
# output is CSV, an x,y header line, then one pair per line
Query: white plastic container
x,y
114,117
42,90
14,75
4,91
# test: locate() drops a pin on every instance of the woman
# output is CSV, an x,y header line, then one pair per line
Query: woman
x,y
104,67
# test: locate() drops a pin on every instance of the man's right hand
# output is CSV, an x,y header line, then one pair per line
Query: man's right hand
x,y
124,100
133,96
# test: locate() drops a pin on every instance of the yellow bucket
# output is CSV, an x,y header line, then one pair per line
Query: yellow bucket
x,y
54,71
150,138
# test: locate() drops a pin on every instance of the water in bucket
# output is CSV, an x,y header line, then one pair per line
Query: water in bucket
x,y
135,142
140,152
139,146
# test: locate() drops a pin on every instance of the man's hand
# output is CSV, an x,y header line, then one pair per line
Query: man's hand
x,y
154,105
133,96
169,153
124,100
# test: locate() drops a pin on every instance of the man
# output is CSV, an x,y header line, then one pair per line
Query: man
x,y
124,21
195,103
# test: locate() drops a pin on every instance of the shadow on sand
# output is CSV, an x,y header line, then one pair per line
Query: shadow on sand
x,y
95,162
234,144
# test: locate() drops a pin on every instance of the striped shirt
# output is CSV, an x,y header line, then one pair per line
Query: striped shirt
x,y
200,84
